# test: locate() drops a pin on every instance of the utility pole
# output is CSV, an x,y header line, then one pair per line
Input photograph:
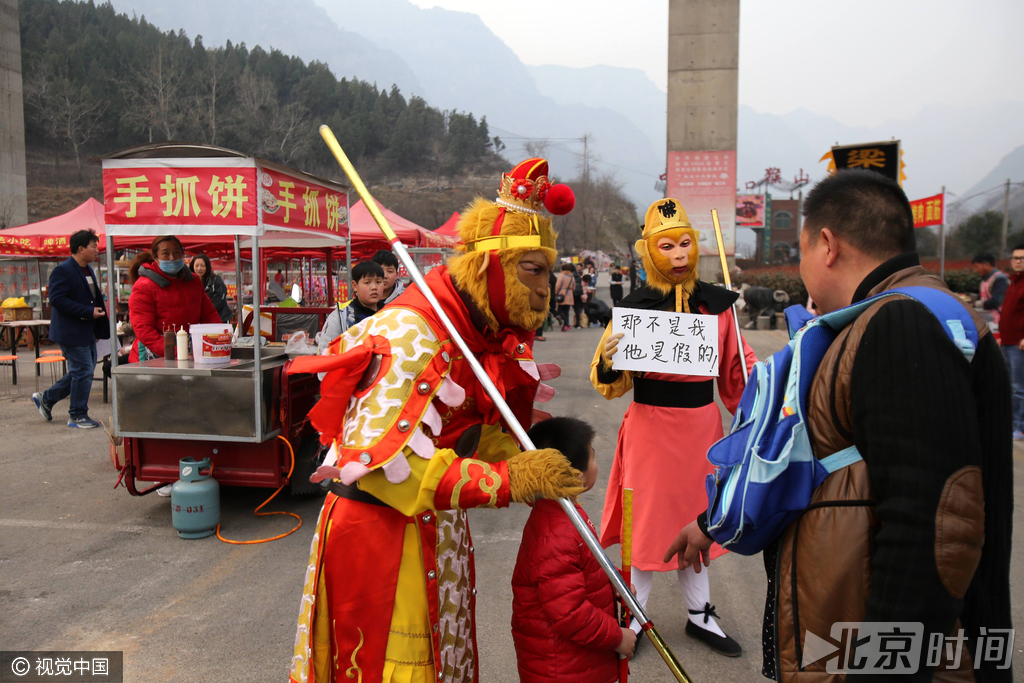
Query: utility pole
x,y
586,161
1006,217
942,237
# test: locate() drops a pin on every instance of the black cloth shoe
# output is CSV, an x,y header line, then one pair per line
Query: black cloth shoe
x,y
722,645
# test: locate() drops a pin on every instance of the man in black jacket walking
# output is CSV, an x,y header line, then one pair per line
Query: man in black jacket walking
x,y
79,318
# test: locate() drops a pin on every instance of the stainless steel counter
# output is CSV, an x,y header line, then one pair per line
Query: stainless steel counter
x,y
184,400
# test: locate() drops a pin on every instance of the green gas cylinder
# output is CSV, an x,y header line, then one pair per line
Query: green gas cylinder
x,y
195,500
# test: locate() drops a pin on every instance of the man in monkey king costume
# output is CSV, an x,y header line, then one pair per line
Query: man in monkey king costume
x,y
389,592
673,420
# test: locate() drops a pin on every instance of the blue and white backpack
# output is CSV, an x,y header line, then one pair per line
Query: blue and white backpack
x,y
765,473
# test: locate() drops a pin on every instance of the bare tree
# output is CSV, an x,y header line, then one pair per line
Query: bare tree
x,y
8,208
72,115
537,148
275,131
157,97
213,88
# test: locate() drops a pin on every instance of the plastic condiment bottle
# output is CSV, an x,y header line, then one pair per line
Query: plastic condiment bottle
x,y
169,344
182,344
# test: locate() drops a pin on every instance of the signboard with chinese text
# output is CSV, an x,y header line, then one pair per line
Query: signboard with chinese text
x,y
18,246
293,201
881,157
218,196
206,195
703,181
929,211
661,341
750,211
14,279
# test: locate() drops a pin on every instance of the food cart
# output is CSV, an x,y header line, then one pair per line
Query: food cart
x,y
248,416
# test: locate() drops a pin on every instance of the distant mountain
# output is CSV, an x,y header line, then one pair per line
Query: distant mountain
x,y
463,65
627,91
942,145
455,62
989,193
1011,168
299,28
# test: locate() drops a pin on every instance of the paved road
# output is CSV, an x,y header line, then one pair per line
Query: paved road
x,y
84,566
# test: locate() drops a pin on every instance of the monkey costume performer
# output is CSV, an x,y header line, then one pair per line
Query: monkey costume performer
x,y
673,420
389,592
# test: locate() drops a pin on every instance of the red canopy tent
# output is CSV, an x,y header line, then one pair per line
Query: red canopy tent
x,y
49,238
449,226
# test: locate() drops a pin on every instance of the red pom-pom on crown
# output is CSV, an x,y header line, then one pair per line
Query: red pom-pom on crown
x,y
559,199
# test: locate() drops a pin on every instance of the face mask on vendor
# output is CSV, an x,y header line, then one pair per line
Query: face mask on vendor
x,y
171,267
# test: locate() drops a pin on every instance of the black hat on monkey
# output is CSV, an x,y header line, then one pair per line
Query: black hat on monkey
x,y
666,218
495,236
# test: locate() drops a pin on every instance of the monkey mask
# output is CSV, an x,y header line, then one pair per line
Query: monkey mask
x,y
496,235
667,218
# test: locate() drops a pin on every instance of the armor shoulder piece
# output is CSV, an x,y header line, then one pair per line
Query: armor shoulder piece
x,y
389,407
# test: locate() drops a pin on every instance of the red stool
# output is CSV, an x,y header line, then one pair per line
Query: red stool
x,y
51,363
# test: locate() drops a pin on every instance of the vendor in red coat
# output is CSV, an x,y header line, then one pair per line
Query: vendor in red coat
x,y
165,295
563,606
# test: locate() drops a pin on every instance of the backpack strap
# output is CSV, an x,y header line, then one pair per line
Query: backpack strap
x,y
956,321
841,459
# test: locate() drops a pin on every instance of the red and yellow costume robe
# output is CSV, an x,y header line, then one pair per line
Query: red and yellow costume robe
x,y
389,590
662,451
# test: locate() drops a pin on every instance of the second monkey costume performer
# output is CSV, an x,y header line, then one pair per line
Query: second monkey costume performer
x,y
390,593
666,432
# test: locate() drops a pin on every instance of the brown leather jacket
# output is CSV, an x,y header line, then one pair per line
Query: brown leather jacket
x,y
823,563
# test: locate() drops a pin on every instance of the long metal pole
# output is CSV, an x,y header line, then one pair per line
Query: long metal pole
x,y
112,319
942,237
1006,218
257,338
510,419
728,285
238,286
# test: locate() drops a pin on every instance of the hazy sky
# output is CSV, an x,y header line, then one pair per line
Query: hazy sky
x,y
860,62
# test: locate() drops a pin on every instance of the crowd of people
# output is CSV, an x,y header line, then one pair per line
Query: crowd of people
x,y
914,526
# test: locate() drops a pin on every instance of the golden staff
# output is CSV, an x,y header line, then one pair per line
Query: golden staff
x,y
728,285
627,558
510,419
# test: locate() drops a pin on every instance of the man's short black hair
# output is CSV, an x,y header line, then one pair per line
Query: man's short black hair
x,y
385,257
569,435
366,269
1019,247
985,258
81,240
866,209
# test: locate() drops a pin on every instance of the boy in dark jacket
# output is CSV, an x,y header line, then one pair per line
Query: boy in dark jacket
x,y
563,606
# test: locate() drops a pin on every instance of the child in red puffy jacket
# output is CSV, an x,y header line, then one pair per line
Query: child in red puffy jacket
x,y
563,606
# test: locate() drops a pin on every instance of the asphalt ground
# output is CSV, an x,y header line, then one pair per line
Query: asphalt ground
x,y
86,567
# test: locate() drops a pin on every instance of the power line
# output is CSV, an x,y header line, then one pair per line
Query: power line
x,y
1001,186
583,155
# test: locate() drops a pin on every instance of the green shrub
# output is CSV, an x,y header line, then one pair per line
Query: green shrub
x,y
960,280
963,280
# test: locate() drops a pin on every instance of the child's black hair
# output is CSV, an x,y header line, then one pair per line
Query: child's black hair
x,y
366,269
385,257
569,435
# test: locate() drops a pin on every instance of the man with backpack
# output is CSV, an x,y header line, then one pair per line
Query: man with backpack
x,y
914,525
